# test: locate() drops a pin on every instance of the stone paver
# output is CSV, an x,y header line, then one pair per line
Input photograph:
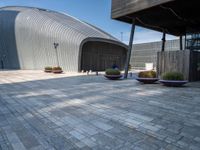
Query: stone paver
x,y
69,111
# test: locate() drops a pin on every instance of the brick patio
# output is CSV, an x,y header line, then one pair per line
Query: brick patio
x,y
40,111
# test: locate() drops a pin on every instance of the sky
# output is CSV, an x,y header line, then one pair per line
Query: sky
x,y
95,12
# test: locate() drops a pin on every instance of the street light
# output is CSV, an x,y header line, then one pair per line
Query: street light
x,y
122,36
56,46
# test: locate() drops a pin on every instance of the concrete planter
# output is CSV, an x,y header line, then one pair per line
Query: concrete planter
x,y
173,83
147,80
113,77
47,71
57,71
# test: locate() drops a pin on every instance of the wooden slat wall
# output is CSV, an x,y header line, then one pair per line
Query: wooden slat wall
x,y
125,7
98,56
194,60
174,61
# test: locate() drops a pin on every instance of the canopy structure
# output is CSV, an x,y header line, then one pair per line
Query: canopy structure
x,y
175,17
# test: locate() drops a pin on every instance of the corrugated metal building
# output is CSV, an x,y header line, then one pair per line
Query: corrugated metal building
x,y
27,37
147,52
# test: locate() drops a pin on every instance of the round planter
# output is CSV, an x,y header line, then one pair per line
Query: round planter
x,y
113,77
48,71
57,71
173,83
147,80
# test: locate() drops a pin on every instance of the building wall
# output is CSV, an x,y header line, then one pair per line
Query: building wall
x,y
35,37
169,61
98,56
27,37
8,47
125,7
147,52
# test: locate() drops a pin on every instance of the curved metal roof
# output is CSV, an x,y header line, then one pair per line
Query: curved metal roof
x,y
36,30
66,20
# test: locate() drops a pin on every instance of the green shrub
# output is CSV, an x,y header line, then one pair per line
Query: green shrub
x,y
172,76
48,68
57,68
112,72
147,74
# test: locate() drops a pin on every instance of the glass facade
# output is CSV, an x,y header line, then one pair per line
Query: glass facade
x,y
193,41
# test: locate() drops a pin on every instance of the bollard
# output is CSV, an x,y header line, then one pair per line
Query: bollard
x,y
131,74
2,65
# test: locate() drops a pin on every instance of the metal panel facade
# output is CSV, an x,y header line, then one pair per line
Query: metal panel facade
x,y
147,52
8,49
27,37
95,57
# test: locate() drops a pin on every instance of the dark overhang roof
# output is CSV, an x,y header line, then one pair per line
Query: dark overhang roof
x,y
175,17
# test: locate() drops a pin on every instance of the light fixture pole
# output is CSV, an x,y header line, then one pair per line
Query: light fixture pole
x,y
55,47
122,36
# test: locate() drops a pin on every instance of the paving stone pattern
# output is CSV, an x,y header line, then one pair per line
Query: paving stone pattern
x,y
40,111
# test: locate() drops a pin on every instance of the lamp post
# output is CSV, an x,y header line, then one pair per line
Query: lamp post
x,y
56,46
122,36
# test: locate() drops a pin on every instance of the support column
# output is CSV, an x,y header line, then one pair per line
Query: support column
x,y
181,42
129,49
185,42
163,41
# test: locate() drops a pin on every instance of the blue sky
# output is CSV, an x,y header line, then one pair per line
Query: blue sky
x,y
96,12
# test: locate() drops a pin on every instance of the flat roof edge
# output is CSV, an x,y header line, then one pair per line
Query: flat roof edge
x,y
131,7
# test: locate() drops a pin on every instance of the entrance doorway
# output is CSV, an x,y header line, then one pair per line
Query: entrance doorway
x,y
98,56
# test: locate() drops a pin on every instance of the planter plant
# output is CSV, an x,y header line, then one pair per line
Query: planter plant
x,y
57,70
48,69
113,74
147,77
174,79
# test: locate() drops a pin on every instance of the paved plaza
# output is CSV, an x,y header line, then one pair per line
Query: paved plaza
x,y
41,111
